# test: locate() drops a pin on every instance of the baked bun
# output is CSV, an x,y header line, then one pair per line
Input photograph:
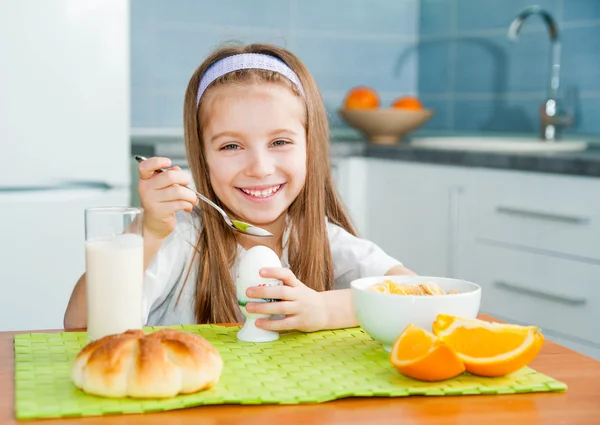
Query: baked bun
x,y
156,365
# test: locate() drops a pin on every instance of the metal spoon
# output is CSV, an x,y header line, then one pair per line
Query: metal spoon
x,y
237,225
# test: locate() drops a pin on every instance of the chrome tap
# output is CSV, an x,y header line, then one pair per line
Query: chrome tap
x,y
551,116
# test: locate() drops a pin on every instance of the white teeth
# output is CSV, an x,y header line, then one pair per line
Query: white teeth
x,y
262,193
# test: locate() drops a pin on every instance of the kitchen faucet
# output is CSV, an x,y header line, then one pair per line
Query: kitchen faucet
x,y
551,116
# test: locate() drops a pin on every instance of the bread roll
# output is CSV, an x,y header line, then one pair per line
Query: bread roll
x,y
156,365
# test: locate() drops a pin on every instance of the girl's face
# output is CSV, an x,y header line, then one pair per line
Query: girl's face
x,y
255,147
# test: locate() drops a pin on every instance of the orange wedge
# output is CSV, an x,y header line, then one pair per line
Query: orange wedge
x,y
419,354
489,349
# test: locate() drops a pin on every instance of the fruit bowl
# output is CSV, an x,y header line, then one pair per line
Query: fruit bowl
x,y
385,126
384,315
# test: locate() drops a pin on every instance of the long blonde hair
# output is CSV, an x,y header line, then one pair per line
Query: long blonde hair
x,y
309,253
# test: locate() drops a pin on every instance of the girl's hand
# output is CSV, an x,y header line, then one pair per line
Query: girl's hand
x,y
304,307
162,195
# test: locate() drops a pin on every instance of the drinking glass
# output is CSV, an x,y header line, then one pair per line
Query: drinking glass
x,y
114,258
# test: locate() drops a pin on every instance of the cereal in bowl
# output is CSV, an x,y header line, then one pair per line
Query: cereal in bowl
x,y
424,288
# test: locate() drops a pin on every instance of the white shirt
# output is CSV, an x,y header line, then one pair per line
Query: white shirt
x,y
352,257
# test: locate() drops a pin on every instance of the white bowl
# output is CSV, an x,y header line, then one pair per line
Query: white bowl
x,y
385,316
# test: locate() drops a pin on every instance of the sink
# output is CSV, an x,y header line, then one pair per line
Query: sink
x,y
498,144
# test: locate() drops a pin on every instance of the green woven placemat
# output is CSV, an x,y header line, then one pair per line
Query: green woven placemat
x,y
298,368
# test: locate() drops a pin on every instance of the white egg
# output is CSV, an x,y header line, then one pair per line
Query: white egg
x,y
255,259
248,273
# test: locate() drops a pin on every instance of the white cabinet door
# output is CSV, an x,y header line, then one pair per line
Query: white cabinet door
x,y
350,178
414,214
555,214
64,91
42,252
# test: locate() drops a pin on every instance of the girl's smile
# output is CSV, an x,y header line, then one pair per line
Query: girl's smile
x,y
261,193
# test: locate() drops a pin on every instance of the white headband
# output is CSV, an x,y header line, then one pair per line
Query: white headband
x,y
246,61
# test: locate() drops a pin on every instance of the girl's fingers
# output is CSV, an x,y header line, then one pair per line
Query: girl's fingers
x,y
284,293
288,323
147,168
172,207
171,177
176,193
280,307
285,275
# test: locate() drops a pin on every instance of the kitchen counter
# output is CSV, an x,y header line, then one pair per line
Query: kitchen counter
x,y
580,404
345,143
584,163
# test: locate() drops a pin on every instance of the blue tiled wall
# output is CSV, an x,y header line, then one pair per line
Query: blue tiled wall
x,y
478,80
343,42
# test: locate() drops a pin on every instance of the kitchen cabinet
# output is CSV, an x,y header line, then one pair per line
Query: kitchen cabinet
x,y
529,239
556,214
532,244
350,179
561,296
414,213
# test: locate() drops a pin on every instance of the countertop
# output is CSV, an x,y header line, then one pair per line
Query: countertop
x,y
579,405
345,143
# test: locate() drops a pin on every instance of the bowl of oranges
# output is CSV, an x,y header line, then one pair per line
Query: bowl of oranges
x,y
362,111
386,305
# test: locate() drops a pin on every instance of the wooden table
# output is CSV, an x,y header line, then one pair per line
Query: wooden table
x,y
580,404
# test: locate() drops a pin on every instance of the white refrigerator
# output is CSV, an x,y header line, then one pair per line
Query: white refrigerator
x,y
64,145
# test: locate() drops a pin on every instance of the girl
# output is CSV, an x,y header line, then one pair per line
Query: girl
x,y
257,142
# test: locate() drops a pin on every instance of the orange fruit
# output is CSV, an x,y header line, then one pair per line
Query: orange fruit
x,y
361,98
419,354
407,102
489,349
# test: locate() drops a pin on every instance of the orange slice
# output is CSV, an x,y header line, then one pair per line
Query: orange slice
x,y
489,349
421,355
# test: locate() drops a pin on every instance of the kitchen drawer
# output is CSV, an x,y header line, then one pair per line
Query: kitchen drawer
x,y
546,212
555,294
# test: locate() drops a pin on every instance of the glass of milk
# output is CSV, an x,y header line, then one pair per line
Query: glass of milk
x,y
114,259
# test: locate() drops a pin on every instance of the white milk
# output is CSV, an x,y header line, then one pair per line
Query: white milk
x,y
114,280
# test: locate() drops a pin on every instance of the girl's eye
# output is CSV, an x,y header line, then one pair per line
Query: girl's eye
x,y
280,142
229,147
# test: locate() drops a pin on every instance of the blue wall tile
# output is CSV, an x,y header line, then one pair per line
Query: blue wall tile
x,y
357,16
179,52
169,109
581,10
473,15
442,116
436,17
435,66
340,65
464,54
196,13
586,117
581,57
496,114
481,65
143,108
498,84
343,43
496,65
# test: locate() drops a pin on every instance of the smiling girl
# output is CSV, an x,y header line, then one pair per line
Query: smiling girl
x,y
257,143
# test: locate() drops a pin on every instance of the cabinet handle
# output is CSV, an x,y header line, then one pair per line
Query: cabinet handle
x,y
540,294
573,219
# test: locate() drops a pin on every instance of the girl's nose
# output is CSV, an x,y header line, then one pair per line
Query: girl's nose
x,y
260,164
